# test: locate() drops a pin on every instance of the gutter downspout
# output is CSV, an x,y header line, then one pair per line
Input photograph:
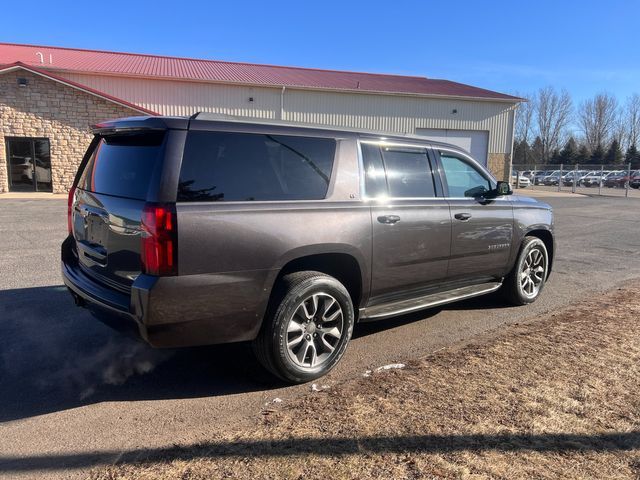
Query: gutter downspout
x,y
282,102
513,138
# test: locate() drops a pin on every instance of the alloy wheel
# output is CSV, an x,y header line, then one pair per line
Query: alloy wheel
x,y
532,272
314,330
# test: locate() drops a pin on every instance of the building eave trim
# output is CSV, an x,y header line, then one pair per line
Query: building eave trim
x,y
513,101
76,86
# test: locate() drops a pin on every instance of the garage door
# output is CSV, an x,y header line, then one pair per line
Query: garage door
x,y
473,141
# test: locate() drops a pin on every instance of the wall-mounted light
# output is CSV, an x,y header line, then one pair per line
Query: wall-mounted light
x,y
454,111
251,99
23,82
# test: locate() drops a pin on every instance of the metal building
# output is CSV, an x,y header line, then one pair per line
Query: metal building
x,y
49,96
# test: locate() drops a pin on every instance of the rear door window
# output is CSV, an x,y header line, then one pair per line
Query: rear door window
x,y
374,174
408,172
123,165
229,166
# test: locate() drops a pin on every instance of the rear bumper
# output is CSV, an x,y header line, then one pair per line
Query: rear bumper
x,y
118,310
169,312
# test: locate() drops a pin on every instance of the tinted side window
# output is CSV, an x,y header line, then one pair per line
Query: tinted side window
x,y
225,166
122,165
408,172
463,179
375,181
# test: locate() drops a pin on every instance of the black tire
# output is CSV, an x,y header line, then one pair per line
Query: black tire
x,y
270,347
512,288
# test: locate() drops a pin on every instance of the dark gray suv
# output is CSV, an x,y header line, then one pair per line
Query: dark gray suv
x,y
204,230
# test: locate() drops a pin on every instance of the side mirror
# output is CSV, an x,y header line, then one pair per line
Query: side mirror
x,y
503,188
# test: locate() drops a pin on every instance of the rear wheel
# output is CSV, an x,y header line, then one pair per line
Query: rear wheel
x,y
307,328
525,282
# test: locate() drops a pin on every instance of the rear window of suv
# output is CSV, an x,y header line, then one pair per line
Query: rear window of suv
x,y
123,165
228,166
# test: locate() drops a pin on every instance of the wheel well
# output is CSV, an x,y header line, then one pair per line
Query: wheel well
x,y
547,237
341,266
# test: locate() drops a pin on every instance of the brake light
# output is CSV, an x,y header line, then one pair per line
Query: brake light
x,y
158,252
70,198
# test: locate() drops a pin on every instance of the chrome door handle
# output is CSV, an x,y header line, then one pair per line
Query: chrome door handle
x,y
389,219
462,216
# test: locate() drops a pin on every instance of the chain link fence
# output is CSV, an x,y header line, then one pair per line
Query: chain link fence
x,y
613,180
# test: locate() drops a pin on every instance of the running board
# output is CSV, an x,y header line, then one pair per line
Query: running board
x,y
378,312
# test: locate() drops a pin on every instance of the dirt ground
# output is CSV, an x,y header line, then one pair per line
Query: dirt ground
x,y
558,397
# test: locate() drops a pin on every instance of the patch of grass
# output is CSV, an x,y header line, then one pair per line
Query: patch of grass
x,y
558,397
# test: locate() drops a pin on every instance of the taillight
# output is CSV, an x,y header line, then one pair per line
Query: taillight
x,y
72,193
158,251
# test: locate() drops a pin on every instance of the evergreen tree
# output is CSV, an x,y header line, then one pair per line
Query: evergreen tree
x,y
632,156
537,150
614,155
522,154
569,153
597,156
584,156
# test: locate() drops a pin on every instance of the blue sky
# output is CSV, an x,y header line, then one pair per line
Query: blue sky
x,y
510,46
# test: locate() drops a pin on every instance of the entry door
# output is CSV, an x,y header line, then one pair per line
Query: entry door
x,y
482,229
29,164
411,223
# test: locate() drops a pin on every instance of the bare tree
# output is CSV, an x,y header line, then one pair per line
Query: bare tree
x,y
524,118
631,121
620,131
597,119
553,114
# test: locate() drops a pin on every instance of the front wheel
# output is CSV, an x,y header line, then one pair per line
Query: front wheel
x,y
525,282
307,327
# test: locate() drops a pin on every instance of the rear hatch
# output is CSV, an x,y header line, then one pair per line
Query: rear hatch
x,y
109,200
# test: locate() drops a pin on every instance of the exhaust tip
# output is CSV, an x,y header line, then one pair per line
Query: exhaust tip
x,y
78,300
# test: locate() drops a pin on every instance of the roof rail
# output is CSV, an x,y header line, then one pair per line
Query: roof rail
x,y
223,117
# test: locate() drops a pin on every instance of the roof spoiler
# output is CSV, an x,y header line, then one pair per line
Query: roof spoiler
x,y
122,125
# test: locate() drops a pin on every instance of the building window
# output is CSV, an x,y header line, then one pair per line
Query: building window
x,y
29,164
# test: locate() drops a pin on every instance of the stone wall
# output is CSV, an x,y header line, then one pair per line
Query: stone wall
x,y
45,108
500,164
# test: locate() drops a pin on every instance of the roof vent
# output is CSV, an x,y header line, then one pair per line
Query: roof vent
x,y
40,55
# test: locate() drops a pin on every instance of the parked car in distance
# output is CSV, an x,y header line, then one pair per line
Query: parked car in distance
x,y
539,175
202,230
635,179
521,180
25,170
594,178
567,179
553,178
616,179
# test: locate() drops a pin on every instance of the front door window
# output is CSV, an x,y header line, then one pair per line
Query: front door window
x,y
29,164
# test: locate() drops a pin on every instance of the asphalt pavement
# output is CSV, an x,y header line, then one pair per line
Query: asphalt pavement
x,y
74,394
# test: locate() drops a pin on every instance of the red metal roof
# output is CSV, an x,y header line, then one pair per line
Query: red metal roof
x,y
130,64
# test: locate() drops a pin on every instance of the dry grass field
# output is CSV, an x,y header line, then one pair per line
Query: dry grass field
x,y
558,397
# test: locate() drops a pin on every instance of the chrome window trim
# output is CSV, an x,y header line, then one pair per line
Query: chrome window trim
x,y
367,198
384,199
383,142
361,171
